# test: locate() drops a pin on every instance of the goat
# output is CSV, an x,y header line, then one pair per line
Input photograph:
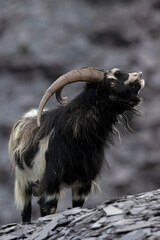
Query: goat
x,y
64,147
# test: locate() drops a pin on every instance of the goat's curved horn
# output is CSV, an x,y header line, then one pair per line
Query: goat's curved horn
x,y
82,74
59,97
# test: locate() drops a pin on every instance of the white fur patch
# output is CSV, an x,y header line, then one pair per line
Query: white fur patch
x,y
23,177
52,197
20,196
130,79
110,73
32,113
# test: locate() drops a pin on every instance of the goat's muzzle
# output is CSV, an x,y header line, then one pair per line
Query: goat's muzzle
x,y
136,77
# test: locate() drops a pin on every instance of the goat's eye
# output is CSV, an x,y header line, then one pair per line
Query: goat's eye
x,y
113,83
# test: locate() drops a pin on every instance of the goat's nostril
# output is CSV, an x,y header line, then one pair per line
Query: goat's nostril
x,y
134,74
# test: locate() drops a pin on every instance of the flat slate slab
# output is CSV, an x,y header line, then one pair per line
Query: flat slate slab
x,y
128,218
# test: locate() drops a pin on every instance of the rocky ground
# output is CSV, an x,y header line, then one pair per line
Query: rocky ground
x,y
127,218
40,40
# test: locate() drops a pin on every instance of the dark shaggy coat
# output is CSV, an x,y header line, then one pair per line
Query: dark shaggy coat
x,y
68,149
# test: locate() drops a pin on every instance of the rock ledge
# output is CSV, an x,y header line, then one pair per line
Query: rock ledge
x,y
127,218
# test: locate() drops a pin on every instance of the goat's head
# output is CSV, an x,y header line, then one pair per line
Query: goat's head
x,y
122,89
118,85
118,79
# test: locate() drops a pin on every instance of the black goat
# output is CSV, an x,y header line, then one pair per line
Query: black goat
x,y
66,149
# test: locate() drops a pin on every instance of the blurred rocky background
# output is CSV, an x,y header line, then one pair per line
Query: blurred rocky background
x,y
40,40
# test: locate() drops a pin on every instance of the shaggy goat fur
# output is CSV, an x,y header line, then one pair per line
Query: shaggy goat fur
x,y
68,149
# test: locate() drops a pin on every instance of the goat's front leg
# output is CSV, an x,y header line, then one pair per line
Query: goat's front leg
x,y
48,203
49,198
80,192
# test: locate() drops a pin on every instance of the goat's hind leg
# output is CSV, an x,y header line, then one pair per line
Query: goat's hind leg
x,y
23,195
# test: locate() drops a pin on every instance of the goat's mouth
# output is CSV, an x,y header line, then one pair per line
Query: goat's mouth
x,y
141,81
137,79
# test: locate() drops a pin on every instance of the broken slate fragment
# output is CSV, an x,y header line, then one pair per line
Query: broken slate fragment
x,y
111,210
96,225
136,235
137,210
127,206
